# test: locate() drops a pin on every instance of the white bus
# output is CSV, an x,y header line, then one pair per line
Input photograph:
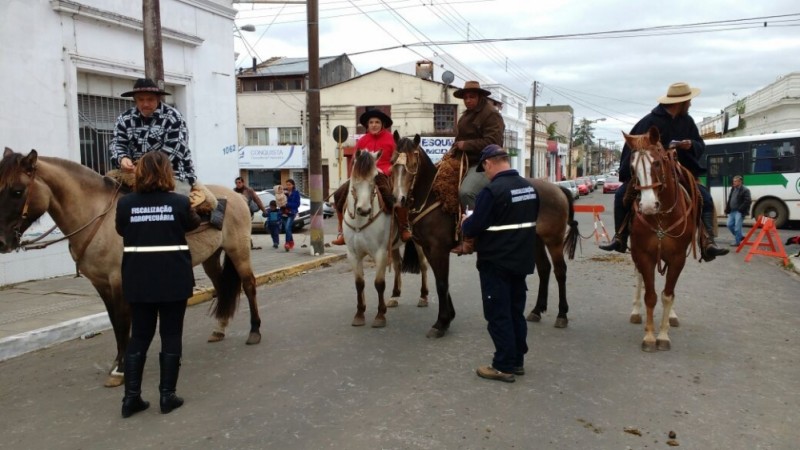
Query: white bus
x,y
770,166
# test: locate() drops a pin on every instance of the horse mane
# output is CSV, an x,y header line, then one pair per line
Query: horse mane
x,y
363,166
9,166
82,173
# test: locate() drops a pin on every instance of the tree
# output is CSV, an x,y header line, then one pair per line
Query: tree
x,y
583,133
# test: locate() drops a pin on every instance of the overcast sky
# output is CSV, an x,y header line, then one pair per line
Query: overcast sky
x,y
618,76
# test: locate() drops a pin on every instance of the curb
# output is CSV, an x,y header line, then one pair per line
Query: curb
x,y
19,344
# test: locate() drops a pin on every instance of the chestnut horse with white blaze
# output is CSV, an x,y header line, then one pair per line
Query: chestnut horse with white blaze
x,y
83,205
664,224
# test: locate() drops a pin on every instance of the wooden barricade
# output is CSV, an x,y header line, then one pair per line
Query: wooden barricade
x,y
599,227
772,246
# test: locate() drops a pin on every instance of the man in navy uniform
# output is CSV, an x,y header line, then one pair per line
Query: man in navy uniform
x,y
504,223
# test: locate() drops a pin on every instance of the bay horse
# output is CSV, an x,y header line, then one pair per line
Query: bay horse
x,y
83,205
664,224
434,229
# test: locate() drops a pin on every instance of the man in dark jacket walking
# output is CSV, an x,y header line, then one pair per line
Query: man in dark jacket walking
x,y
677,130
504,222
737,208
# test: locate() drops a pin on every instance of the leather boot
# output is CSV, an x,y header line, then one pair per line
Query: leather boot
x,y
340,237
132,402
402,223
620,241
170,366
465,247
711,251
618,244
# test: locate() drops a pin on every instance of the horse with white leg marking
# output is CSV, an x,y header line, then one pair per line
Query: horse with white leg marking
x,y
83,204
664,224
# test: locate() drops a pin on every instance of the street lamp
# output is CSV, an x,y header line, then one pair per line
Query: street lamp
x,y
587,143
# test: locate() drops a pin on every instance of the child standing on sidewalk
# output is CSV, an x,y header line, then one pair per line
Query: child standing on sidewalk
x,y
273,223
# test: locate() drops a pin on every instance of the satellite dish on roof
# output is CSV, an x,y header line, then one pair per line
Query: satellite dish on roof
x,y
448,77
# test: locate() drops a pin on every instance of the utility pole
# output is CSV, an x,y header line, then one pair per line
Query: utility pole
x,y
153,55
314,138
533,131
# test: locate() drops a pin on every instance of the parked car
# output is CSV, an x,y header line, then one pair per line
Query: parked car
x,y
572,187
586,181
583,188
601,179
302,218
611,185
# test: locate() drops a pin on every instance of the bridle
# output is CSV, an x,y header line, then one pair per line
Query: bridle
x,y
376,211
424,209
643,160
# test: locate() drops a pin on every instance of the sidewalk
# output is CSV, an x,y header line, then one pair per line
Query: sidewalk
x,y
42,313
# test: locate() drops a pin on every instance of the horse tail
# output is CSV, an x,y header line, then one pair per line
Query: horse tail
x,y
573,234
410,259
230,287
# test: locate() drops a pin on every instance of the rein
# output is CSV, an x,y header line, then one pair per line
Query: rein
x,y
424,209
352,214
680,197
97,221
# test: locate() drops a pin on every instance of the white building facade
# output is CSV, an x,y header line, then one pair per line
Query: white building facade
x,y
65,64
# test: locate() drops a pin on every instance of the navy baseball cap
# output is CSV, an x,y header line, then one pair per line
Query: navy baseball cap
x,y
490,151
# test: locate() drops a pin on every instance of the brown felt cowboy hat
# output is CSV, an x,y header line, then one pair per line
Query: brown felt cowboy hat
x,y
471,86
678,93
145,85
385,120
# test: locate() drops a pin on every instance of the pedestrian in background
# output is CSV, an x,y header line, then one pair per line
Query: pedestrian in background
x,y
737,208
157,278
273,223
504,223
254,202
290,211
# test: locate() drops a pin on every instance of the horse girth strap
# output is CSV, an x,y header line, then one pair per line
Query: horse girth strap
x,y
425,212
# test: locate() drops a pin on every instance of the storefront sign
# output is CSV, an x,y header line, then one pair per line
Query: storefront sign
x,y
273,157
436,147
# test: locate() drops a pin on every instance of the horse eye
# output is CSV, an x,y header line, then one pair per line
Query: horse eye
x,y
17,193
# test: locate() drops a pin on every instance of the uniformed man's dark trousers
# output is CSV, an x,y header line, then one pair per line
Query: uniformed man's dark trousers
x,y
504,297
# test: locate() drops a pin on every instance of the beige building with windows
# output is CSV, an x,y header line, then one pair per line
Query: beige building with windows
x,y
416,105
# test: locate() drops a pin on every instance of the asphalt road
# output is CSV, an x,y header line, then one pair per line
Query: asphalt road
x,y
730,380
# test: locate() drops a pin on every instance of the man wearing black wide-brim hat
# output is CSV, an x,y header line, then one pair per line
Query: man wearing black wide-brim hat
x,y
150,126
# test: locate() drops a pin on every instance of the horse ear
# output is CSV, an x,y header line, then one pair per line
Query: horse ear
x,y
29,162
8,152
417,140
396,136
653,135
378,154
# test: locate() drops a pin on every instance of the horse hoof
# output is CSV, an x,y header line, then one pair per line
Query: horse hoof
x,y
636,318
216,336
378,323
422,303
114,381
673,322
663,345
254,338
561,322
358,322
649,347
392,303
435,333
534,317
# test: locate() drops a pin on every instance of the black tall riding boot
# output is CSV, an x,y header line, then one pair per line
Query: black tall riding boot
x,y
170,366
711,251
620,241
132,402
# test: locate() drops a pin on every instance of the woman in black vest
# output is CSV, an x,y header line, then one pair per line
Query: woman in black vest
x,y
157,278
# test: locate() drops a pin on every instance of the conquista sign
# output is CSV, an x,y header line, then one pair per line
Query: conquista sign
x,y
273,157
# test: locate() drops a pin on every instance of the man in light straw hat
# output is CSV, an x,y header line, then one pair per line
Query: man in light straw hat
x,y
678,130
480,125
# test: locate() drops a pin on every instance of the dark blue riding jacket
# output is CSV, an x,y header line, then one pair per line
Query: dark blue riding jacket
x,y
504,223
671,129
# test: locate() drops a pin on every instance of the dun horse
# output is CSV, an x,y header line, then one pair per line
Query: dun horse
x,y
368,231
83,204
662,228
434,230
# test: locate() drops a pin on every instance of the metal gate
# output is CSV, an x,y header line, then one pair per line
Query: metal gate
x,y
96,118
